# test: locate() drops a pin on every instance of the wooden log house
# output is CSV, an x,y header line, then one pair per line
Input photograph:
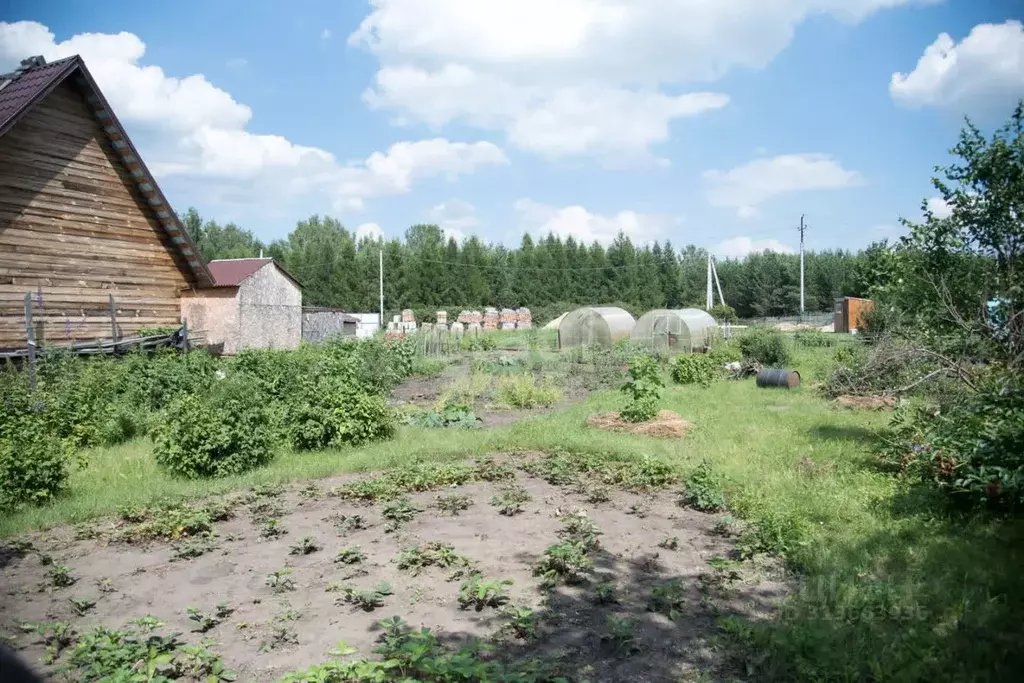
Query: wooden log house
x,y
81,217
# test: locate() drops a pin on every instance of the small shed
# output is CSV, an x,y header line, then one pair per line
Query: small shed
x,y
684,329
594,326
849,314
254,304
321,324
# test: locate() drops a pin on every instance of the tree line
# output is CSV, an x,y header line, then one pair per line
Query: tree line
x,y
424,271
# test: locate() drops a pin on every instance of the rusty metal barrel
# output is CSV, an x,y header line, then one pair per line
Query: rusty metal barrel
x,y
778,378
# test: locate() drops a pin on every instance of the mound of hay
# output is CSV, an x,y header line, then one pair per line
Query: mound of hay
x,y
666,425
866,402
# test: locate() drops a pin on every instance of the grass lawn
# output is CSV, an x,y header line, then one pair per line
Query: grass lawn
x,y
888,586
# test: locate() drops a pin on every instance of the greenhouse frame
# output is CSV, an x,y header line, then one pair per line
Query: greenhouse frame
x,y
594,326
684,330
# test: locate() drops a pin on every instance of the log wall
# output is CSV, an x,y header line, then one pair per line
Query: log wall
x,y
74,229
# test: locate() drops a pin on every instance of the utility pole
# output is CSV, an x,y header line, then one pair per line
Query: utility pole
x,y
381,273
711,294
803,229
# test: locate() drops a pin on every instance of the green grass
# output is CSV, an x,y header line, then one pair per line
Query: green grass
x,y
889,586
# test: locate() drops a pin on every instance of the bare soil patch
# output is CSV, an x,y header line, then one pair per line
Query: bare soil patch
x,y
666,425
646,542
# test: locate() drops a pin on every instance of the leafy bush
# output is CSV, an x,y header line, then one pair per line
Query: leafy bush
x,y
972,450
33,461
815,338
226,431
644,388
766,346
724,312
523,391
703,489
456,415
699,368
332,411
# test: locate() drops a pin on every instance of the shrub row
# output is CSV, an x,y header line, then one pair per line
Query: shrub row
x,y
208,417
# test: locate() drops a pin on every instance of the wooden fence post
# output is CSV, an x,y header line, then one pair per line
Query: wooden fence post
x,y
113,321
30,337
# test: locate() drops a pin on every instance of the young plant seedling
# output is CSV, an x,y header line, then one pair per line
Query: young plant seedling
x,y
346,524
193,547
281,635
60,576
264,510
272,528
105,586
310,491
57,636
597,494
479,592
669,543
397,513
203,622
638,509
488,470
307,546
82,605
566,560
280,581
621,634
436,554
522,622
367,600
668,598
606,593
579,528
350,555
453,503
510,499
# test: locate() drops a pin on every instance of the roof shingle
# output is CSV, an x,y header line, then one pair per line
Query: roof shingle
x,y
25,88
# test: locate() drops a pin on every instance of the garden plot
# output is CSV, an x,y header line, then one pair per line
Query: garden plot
x,y
608,577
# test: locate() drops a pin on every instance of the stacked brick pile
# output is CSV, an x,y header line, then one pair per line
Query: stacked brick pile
x,y
471,318
491,319
508,319
524,319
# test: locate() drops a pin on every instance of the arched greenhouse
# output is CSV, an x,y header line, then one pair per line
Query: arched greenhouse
x,y
681,330
594,326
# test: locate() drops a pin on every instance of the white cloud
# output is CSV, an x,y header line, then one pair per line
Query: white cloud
x,y
746,211
189,127
938,207
575,76
738,247
455,217
584,226
325,34
747,185
369,230
981,74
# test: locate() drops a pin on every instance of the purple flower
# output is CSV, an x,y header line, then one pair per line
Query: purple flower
x,y
918,448
39,295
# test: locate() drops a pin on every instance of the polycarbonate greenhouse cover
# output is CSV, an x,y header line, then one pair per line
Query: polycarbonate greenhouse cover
x,y
603,325
691,327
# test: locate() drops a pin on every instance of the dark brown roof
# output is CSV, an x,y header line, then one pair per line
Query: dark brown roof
x,y
24,88
231,272
27,86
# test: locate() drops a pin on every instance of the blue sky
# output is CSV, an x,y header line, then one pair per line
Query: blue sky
x,y
709,123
